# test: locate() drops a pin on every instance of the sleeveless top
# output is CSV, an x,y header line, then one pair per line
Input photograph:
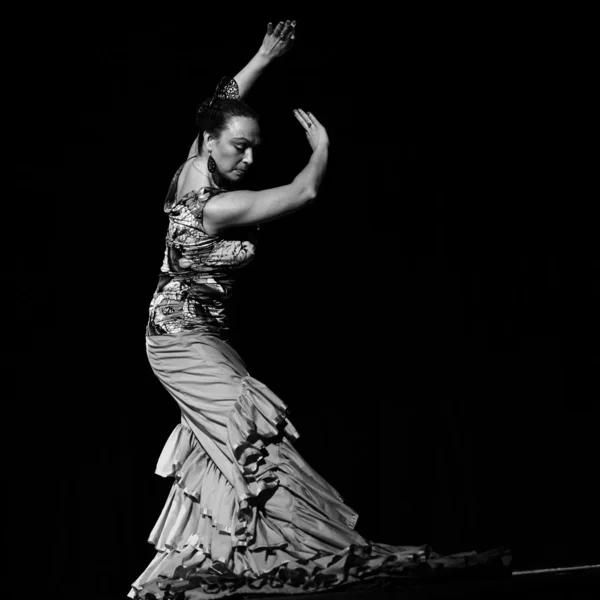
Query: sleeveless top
x,y
198,270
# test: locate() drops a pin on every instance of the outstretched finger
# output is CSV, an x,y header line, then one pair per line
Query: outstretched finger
x,y
287,29
302,117
313,118
278,29
309,119
270,29
299,117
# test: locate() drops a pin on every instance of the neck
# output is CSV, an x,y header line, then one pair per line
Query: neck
x,y
215,179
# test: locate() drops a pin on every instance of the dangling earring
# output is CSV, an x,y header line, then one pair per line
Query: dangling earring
x,y
212,165
212,168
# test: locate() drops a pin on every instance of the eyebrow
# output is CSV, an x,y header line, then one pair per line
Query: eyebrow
x,y
247,140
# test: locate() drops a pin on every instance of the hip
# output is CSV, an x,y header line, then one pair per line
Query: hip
x,y
194,352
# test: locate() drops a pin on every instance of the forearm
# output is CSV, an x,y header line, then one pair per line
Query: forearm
x,y
245,79
250,73
312,175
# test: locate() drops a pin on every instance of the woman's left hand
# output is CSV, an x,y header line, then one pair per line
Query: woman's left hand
x,y
278,40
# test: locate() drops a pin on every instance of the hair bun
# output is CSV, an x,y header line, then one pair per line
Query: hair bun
x,y
227,88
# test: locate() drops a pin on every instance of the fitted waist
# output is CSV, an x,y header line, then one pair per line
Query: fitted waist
x,y
197,286
179,306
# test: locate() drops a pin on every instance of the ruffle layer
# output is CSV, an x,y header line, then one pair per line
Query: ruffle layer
x,y
205,516
278,526
362,567
201,503
258,418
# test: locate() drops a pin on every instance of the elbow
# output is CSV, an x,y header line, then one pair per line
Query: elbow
x,y
309,194
303,191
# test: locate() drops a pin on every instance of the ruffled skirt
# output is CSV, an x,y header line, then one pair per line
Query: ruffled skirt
x,y
246,514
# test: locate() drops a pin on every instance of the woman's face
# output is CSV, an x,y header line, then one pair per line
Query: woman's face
x,y
234,150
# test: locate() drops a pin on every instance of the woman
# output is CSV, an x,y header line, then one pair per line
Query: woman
x,y
246,513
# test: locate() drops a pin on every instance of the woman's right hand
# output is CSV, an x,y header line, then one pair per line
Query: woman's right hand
x,y
315,132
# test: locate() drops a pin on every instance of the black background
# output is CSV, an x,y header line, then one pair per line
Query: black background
x,y
426,319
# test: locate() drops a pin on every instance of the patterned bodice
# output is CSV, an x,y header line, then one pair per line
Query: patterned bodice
x,y
198,269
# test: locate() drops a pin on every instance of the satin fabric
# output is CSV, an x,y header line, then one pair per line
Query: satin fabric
x,y
246,512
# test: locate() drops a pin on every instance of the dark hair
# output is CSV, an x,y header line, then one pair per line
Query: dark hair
x,y
214,120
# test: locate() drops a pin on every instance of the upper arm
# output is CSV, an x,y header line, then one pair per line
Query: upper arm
x,y
244,207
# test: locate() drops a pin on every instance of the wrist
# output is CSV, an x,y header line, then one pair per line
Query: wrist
x,y
263,58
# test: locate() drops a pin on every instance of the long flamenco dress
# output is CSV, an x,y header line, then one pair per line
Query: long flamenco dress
x,y
246,514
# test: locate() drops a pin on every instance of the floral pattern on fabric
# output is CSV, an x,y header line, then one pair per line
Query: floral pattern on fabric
x,y
197,274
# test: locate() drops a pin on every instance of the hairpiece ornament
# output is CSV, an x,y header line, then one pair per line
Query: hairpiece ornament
x,y
227,88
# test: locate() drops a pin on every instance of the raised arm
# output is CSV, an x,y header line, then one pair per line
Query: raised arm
x,y
276,43
243,207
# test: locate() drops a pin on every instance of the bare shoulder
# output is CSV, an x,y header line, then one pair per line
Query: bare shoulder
x,y
191,179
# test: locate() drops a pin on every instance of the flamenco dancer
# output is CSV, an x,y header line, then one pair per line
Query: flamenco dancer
x,y
246,514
